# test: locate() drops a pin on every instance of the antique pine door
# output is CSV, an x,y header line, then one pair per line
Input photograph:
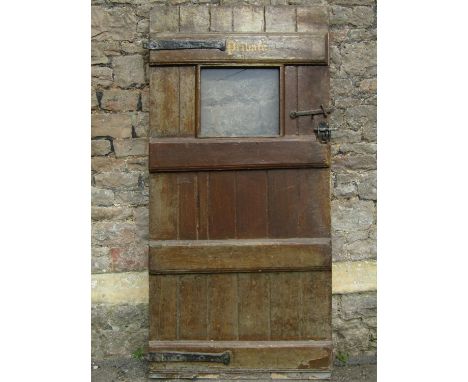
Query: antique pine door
x,y
240,252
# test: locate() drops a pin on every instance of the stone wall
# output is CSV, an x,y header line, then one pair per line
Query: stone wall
x,y
119,107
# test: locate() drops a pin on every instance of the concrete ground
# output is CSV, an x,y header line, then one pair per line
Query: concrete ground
x,y
131,370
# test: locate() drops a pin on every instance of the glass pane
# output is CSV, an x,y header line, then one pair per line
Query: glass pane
x,y
239,102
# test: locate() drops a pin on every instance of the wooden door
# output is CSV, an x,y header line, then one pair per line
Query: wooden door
x,y
240,252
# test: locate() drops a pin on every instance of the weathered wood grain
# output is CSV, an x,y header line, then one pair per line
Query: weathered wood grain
x,y
254,306
239,256
237,153
193,307
163,206
223,306
252,204
294,48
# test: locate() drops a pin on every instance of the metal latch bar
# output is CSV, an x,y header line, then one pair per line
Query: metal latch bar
x,y
224,357
322,111
186,44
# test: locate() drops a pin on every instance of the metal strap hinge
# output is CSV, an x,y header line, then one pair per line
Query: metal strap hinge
x,y
175,356
186,44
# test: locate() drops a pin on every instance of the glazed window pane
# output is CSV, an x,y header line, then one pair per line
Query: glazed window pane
x,y
239,102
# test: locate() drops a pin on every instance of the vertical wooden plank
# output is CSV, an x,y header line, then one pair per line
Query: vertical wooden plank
x,y
188,214
316,302
251,196
222,301
313,91
193,307
290,99
164,206
168,308
187,101
164,102
283,203
221,19
154,306
202,205
314,197
286,305
222,205
254,306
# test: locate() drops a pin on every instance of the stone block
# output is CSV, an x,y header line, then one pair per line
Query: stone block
x,y
361,116
312,19
112,233
134,47
130,258
358,16
194,19
107,164
128,70
341,87
352,215
221,19
100,147
111,213
138,164
100,260
358,250
100,197
94,100
248,19
102,76
368,85
345,190
164,18
141,218
353,2
358,148
97,54
115,125
120,100
307,2
119,288
144,100
140,124
358,305
113,23
354,162
367,187
129,147
280,19
118,330
354,276
132,198
359,59
118,180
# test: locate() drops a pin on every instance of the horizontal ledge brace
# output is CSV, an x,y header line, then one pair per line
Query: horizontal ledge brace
x,y
252,257
192,154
